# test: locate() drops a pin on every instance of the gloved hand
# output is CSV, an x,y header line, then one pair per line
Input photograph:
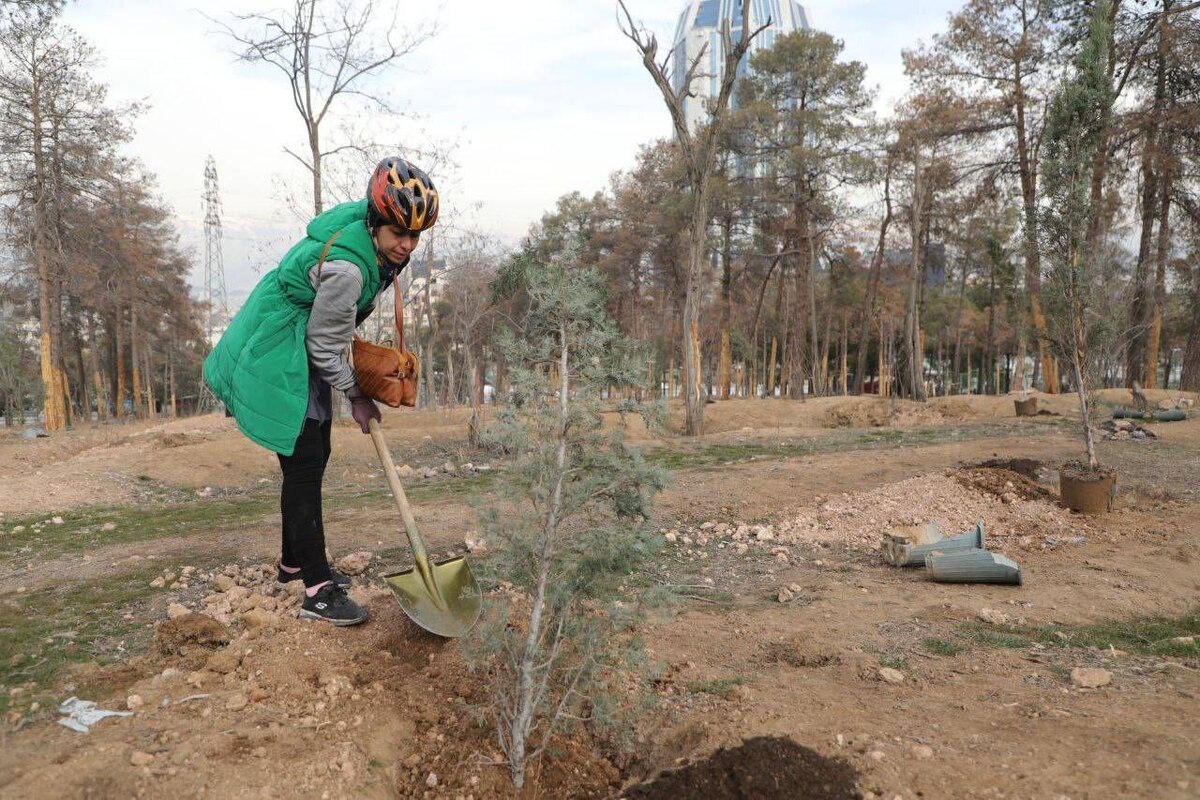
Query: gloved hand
x,y
363,409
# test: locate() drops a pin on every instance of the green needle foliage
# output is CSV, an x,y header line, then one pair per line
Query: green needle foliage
x,y
1076,131
569,523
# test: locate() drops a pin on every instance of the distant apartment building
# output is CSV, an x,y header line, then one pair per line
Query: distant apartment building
x,y
420,272
700,25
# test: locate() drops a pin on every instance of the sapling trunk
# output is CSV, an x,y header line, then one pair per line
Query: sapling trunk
x,y
1085,414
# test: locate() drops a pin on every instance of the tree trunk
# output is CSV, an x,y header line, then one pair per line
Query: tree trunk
x,y
1027,167
817,367
773,360
476,391
81,373
1135,365
1159,302
119,346
430,389
694,395
798,371
1189,376
135,356
314,144
993,387
94,368
725,364
912,325
148,371
1141,314
173,387
866,310
451,390
843,359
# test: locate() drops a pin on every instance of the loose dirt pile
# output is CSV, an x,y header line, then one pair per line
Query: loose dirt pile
x,y
242,699
1017,514
1011,507
763,768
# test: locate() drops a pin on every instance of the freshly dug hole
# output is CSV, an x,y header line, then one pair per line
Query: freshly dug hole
x,y
763,768
1001,483
1029,467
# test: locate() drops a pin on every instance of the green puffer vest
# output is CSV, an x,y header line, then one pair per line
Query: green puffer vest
x,y
259,368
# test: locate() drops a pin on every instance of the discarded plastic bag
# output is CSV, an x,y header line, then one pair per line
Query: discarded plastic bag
x,y
83,714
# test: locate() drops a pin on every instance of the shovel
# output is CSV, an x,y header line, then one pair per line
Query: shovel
x,y
444,598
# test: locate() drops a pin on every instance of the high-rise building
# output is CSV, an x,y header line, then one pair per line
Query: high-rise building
x,y
700,25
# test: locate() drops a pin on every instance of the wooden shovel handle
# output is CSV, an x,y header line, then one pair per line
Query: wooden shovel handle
x,y
410,523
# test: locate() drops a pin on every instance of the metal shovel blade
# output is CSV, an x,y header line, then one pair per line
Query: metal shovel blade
x,y
454,584
444,599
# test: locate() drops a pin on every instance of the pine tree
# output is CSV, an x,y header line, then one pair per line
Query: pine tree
x,y
1079,117
571,523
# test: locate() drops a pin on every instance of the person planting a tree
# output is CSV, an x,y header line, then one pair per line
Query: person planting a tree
x,y
285,352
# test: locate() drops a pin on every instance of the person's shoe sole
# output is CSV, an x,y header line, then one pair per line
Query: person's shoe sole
x,y
341,623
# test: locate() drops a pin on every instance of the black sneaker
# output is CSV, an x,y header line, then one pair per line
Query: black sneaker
x,y
332,604
282,577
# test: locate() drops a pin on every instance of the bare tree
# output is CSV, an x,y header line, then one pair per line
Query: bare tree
x,y
328,49
53,123
699,154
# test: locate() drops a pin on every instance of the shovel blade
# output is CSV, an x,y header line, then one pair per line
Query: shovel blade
x,y
455,583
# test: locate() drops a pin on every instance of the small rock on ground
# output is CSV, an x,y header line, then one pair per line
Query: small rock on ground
x,y
355,563
1090,677
993,617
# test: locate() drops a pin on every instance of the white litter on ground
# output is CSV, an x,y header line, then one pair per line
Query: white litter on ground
x,y
83,714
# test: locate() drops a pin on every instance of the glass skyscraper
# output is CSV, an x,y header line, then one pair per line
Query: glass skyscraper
x,y
700,25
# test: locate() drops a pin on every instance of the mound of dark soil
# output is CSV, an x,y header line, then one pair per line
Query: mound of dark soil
x,y
764,768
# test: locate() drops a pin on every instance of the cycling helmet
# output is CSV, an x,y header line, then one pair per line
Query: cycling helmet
x,y
401,194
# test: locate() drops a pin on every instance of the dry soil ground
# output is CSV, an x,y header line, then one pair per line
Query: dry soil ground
x,y
787,622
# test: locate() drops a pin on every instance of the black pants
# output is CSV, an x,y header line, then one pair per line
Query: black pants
x,y
300,503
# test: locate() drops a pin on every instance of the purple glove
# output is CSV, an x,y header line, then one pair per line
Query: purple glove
x,y
363,409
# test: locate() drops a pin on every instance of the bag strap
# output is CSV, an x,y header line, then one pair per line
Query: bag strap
x,y
325,254
395,292
399,312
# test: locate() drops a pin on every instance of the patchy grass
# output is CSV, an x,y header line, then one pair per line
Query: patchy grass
x,y
417,491
715,455
45,631
1149,636
721,687
985,635
709,456
895,662
941,647
84,529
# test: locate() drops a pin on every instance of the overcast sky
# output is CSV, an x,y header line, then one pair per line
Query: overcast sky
x,y
542,97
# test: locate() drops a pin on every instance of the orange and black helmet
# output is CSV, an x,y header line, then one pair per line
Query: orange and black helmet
x,y
401,194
